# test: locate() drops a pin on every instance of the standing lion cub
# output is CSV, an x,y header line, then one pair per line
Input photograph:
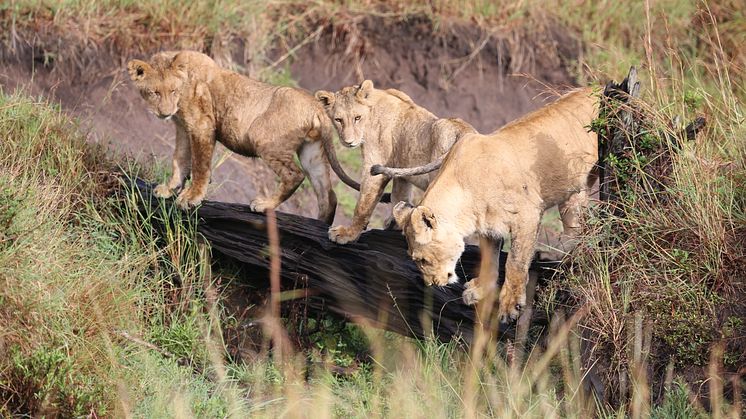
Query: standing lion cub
x,y
500,184
208,103
392,130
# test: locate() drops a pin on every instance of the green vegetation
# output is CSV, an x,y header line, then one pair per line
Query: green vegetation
x,y
102,315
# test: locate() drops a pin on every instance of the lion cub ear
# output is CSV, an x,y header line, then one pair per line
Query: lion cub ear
x,y
326,98
138,69
366,88
179,65
402,210
424,223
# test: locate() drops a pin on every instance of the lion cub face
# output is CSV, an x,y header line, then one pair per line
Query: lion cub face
x,y
160,87
434,246
349,109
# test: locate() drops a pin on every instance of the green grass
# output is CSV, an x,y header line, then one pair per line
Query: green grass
x,y
664,270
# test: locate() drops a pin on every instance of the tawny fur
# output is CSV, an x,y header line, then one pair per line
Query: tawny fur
x,y
391,130
208,103
500,184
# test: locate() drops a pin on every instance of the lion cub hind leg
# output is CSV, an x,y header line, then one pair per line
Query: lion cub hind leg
x,y
291,176
570,212
313,161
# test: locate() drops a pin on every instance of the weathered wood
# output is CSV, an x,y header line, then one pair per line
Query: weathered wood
x,y
373,279
621,124
622,128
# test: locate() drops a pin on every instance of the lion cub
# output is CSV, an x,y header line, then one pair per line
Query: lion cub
x,y
391,130
500,184
208,103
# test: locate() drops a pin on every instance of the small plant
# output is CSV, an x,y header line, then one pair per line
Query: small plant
x,y
48,373
693,100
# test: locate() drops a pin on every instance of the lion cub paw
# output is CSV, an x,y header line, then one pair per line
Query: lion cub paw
x,y
260,204
511,305
343,234
186,200
472,293
163,191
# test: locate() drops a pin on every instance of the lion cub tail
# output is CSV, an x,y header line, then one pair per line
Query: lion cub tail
x,y
453,127
394,172
324,126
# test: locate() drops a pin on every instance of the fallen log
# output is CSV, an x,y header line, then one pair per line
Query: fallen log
x,y
373,279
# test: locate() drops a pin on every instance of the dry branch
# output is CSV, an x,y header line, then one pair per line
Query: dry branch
x,y
624,131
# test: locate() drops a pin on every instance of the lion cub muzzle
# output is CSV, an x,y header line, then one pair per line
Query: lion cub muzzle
x,y
440,276
352,143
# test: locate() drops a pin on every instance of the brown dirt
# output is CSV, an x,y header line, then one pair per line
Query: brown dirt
x,y
463,71
487,78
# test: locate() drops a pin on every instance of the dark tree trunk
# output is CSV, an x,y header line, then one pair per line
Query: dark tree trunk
x,y
372,279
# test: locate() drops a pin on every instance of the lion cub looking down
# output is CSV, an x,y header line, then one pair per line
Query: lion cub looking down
x,y
500,184
391,130
208,103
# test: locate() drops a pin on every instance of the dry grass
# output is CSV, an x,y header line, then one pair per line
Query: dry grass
x,y
255,37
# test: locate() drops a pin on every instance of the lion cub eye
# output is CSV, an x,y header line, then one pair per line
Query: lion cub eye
x,y
357,118
338,120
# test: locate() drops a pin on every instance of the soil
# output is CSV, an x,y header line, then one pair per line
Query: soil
x,y
488,79
485,77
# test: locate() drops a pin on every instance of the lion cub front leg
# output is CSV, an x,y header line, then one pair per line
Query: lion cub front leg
x,y
478,288
181,165
513,291
202,147
371,189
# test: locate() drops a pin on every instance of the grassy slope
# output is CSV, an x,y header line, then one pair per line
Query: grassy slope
x,y
75,276
672,269
82,274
